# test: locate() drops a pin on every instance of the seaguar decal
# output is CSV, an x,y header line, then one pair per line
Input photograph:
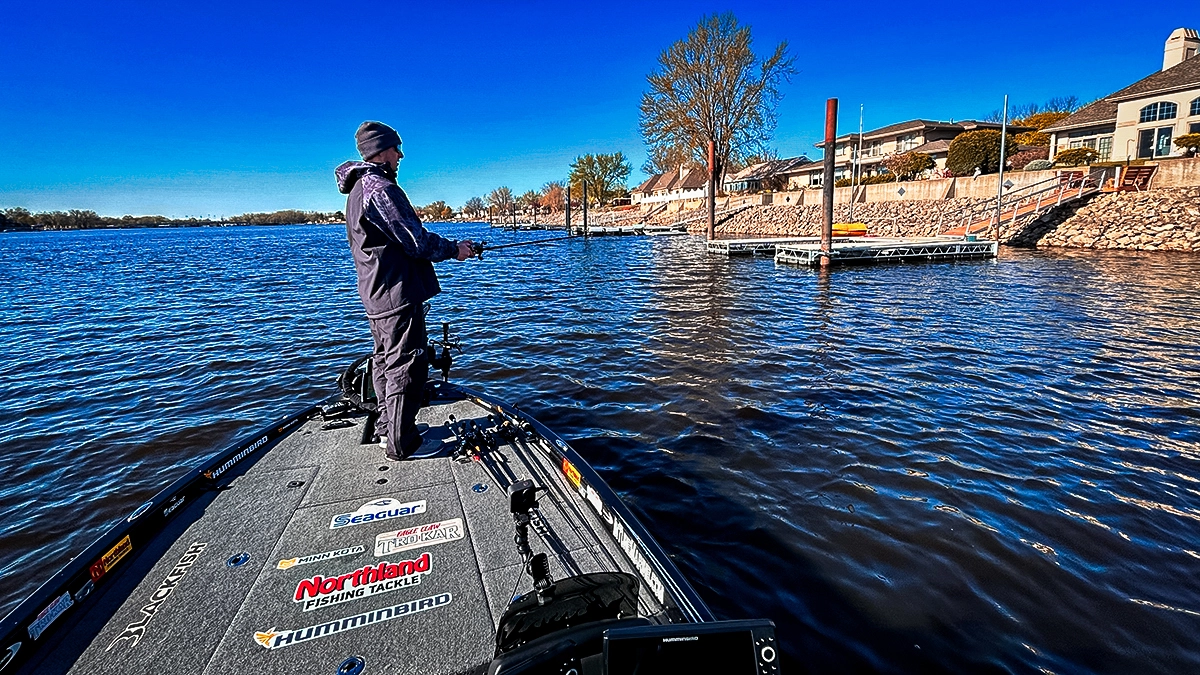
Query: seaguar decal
x,y
418,536
318,557
380,509
135,630
276,639
320,591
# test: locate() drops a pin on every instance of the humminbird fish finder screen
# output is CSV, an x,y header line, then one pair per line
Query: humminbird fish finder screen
x,y
726,647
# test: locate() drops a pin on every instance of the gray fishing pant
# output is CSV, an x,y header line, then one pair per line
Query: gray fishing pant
x,y
399,370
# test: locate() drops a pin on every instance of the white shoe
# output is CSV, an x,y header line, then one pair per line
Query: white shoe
x,y
383,442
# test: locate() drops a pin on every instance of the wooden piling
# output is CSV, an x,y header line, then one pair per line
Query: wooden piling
x,y
712,192
831,107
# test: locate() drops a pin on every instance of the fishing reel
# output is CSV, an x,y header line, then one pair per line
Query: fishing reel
x,y
444,360
477,248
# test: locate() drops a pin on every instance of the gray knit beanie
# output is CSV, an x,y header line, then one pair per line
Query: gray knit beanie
x,y
375,137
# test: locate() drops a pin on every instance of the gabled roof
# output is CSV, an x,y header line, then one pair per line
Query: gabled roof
x,y
645,187
769,168
926,126
692,179
1185,75
931,147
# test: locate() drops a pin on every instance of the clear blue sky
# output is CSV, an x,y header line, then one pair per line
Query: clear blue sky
x,y
220,108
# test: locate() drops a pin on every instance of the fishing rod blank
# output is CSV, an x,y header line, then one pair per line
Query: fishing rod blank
x,y
482,246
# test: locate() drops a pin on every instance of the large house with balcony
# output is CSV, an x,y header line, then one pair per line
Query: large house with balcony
x,y
1142,120
927,136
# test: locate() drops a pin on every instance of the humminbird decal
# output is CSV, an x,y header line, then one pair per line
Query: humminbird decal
x,y
110,558
318,557
135,630
639,561
211,475
320,591
277,639
47,616
416,537
380,509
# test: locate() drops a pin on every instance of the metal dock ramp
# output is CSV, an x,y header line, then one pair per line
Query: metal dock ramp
x,y
887,249
754,246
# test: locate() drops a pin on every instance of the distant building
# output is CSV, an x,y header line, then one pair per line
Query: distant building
x,y
927,136
682,184
772,175
1143,119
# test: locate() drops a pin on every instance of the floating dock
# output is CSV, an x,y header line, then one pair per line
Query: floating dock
x,y
630,230
885,249
755,246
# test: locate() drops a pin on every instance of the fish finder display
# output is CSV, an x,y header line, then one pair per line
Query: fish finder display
x,y
674,650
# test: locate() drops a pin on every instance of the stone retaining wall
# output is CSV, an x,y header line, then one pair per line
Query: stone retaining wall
x,y
1157,220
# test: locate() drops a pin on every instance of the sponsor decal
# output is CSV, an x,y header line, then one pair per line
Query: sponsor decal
x,y
318,557
47,616
84,591
135,630
211,475
593,498
140,510
416,537
277,639
380,509
571,473
175,504
110,559
627,543
9,655
320,591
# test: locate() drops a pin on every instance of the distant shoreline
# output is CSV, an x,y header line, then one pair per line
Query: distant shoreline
x,y
154,226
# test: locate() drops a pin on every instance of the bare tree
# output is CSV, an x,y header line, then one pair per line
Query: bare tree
x,y
710,86
605,175
553,196
501,198
475,206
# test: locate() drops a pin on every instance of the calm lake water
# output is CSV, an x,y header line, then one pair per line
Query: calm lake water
x,y
974,467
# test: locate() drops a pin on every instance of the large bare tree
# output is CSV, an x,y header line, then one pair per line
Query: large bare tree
x,y
710,86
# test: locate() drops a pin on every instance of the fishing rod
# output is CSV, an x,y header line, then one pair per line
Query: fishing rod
x,y
478,248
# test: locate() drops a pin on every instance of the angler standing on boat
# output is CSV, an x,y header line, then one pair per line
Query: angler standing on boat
x,y
393,256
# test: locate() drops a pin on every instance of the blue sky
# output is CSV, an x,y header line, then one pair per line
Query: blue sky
x,y
219,108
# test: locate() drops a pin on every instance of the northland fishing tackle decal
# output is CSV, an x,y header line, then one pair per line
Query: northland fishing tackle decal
x,y
110,558
276,639
571,473
320,591
418,536
380,509
47,616
318,557
135,630
9,655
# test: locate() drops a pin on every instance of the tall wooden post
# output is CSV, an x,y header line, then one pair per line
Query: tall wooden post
x,y
712,192
831,107
584,197
569,232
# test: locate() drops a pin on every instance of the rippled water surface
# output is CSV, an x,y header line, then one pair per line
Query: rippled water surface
x,y
980,467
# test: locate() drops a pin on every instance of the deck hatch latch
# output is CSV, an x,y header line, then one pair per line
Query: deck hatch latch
x,y
238,560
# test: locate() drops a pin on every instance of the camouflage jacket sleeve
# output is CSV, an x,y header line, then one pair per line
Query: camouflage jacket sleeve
x,y
391,211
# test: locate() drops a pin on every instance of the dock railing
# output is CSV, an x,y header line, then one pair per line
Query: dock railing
x,y
1030,201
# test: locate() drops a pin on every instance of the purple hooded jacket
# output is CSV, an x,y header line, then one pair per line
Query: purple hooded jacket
x,y
393,252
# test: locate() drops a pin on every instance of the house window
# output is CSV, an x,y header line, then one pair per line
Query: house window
x,y
1194,128
841,150
1158,111
1104,147
1195,107
1162,146
876,148
1074,144
906,142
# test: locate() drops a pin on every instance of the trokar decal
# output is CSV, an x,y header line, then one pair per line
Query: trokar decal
x,y
380,509
9,655
110,558
277,639
318,557
321,591
418,536
135,630
571,473
47,616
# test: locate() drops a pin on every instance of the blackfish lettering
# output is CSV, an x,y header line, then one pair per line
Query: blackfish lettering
x,y
135,630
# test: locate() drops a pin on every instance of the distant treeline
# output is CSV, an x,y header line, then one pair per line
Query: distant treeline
x,y
76,219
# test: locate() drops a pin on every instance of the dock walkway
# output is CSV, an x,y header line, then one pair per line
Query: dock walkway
x,y
887,249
